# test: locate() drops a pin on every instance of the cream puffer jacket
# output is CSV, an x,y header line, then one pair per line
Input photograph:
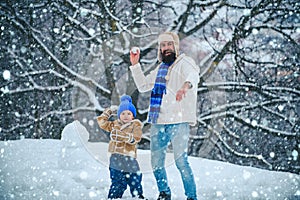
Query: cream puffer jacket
x,y
171,112
123,136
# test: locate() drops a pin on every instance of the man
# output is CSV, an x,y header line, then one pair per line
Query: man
x,y
173,86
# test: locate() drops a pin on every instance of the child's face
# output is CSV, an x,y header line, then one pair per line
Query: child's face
x,y
126,116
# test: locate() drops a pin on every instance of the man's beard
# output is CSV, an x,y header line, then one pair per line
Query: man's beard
x,y
168,58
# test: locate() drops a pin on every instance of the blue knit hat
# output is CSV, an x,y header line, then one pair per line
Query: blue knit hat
x,y
126,104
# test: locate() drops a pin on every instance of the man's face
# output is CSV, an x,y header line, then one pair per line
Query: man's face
x,y
167,47
168,51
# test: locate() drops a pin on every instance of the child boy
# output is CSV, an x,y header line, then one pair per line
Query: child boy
x,y
125,133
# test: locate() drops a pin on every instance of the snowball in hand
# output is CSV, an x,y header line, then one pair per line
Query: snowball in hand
x,y
135,50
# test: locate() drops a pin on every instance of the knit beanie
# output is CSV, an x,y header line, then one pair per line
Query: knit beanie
x,y
126,104
168,36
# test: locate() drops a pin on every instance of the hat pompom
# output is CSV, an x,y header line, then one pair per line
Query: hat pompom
x,y
126,104
126,98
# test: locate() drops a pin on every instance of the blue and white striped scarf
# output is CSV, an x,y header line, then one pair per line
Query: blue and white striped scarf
x,y
157,92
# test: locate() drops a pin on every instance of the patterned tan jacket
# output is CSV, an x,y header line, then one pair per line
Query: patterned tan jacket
x,y
123,136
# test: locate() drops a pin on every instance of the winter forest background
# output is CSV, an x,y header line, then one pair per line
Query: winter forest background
x,y
67,60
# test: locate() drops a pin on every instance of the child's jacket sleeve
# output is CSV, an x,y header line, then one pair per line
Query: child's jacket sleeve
x,y
130,133
103,121
137,131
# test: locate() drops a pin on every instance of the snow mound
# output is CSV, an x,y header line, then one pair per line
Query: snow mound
x,y
66,169
75,135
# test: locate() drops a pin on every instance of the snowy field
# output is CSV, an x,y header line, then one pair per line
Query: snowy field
x,y
74,169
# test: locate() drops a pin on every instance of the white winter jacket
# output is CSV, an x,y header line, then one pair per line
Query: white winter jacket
x,y
171,111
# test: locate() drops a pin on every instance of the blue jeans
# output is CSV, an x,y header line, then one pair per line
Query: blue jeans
x,y
178,134
124,170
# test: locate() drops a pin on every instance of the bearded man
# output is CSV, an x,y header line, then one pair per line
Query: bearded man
x,y
173,85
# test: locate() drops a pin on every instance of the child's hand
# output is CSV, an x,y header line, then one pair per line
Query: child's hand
x,y
107,112
114,109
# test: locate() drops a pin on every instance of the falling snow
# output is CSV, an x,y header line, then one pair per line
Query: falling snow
x,y
73,168
33,169
280,108
295,154
6,75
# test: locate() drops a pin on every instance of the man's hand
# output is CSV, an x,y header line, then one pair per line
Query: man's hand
x,y
135,57
182,91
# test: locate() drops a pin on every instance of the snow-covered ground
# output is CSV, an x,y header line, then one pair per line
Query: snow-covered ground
x,y
74,169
